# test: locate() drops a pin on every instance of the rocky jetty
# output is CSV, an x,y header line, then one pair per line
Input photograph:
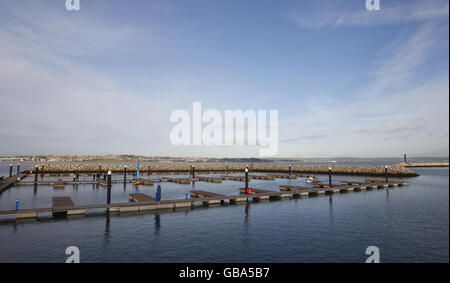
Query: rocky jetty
x,y
361,170
428,164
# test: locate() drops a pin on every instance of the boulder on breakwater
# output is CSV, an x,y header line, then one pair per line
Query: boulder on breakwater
x,y
362,170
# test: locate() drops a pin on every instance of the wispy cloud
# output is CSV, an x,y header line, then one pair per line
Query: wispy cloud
x,y
298,139
390,130
397,63
390,108
329,14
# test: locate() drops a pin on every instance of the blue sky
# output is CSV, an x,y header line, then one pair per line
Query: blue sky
x,y
346,81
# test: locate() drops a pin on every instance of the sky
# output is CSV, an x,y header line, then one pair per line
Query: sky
x,y
105,79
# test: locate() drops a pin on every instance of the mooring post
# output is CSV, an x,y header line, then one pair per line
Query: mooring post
x,y
10,170
246,178
386,172
108,199
329,176
18,168
36,172
290,169
125,173
404,158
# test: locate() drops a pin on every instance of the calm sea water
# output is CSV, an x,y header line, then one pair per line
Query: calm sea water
x,y
407,224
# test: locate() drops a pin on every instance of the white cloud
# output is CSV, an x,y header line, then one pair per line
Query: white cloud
x,y
55,101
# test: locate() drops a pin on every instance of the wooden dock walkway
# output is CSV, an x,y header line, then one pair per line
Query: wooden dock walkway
x,y
351,183
259,177
235,178
210,179
287,188
11,181
65,205
324,185
144,182
58,185
58,202
206,194
144,202
306,175
265,194
137,197
177,180
203,194
284,176
100,182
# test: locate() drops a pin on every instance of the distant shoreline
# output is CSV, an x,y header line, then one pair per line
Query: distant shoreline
x,y
411,162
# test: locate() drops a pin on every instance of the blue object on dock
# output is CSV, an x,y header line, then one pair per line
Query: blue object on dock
x,y
187,195
137,171
17,204
158,193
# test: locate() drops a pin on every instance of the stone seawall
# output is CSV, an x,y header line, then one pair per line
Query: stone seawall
x,y
441,164
363,170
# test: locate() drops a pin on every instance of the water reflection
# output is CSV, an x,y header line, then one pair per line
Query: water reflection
x,y
107,228
157,223
330,201
387,195
247,210
245,236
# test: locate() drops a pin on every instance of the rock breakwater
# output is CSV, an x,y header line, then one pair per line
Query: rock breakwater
x,y
362,170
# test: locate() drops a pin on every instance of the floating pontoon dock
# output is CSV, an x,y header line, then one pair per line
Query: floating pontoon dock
x,y
145,202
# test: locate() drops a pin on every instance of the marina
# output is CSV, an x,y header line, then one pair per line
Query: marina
x,y
141,201
224,132
293,203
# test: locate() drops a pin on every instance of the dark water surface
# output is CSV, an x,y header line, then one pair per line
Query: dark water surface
x,y
407,224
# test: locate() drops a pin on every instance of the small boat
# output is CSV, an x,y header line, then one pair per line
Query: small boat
x,y
311,180
136,183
